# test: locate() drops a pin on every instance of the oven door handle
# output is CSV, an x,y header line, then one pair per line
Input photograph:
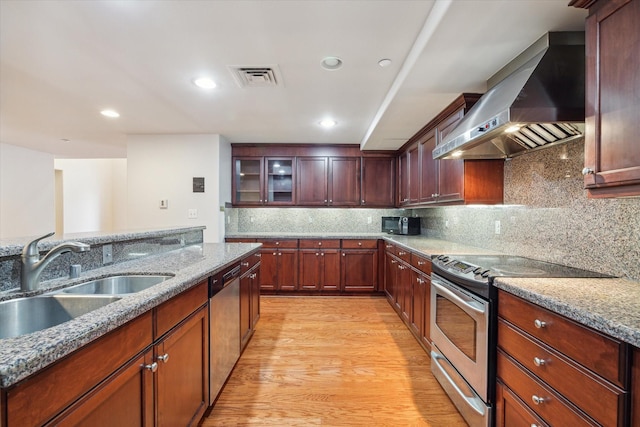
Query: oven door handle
x,y
473,401
470,303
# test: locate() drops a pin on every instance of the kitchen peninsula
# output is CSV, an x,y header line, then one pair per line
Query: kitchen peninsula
x,y
116,350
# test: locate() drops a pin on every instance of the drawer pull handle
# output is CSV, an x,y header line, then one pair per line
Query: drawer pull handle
x,y
393,261
537,399
539,362
153,367
164,357
244,264
421,263
401,253
540,324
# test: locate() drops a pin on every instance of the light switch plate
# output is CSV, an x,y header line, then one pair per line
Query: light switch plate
x,y
192,213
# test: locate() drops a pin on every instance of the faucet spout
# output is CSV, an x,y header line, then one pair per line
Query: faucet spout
x,y
32,265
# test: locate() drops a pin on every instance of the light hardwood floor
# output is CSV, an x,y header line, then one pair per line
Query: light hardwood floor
x,y
332,361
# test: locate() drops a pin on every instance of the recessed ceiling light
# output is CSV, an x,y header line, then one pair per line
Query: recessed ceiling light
x,y
331,63
328,123
110,113
384,62
456,153
204,83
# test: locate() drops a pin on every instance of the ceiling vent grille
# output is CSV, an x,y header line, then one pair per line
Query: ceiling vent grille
x,y
265,76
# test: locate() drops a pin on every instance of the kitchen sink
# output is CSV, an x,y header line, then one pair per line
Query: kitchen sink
x,y
25,315
117,285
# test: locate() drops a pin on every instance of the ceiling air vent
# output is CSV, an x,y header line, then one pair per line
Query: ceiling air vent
x,y
266,76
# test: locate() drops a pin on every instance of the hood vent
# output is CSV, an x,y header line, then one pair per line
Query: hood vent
x,y
539,104
267,76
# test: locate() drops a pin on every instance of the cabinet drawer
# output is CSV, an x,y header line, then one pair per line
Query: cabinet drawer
x,y
170,313
248,262
552,407
390,247
279,243
320,243
605,356
239,240
359,244
421,263
600,400
511,411
403,254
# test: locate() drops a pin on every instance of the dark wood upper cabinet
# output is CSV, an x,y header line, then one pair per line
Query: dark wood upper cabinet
x,y
378,181
344,181
612,146
304,175
428,181
311,185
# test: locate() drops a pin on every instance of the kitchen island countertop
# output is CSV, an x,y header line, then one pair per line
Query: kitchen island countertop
x,y
24,355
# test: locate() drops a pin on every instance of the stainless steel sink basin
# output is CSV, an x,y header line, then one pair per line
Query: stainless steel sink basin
x,y
117,285
25,315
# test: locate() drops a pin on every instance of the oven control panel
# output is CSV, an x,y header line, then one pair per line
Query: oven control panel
x,y
461,269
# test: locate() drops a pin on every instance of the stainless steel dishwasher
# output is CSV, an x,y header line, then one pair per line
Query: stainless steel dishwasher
x,y
224,328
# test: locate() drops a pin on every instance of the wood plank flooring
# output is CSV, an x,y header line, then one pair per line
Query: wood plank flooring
x,y
332,361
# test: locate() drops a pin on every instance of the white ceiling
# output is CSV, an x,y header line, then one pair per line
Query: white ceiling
x,y
61,62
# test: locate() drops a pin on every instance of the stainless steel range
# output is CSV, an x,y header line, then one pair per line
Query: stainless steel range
x,y
464,322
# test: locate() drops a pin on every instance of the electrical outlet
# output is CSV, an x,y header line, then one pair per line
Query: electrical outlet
x,y
497,226
192,213
369,220
446,223
251,219
228,220
310,220
107,254
164,204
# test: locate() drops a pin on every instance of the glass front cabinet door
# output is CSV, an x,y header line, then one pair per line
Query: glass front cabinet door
x,y
263,181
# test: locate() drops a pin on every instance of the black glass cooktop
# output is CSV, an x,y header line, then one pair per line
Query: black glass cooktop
x,y
513,266
476,272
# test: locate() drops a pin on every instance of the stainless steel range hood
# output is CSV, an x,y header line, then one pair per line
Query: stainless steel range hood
x,y
539,104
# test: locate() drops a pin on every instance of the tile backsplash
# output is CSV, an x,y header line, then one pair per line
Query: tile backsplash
x,y
546,216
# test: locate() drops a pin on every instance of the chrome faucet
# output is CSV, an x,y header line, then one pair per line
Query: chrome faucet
x,y
32,265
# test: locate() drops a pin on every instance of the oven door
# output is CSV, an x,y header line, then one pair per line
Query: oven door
x,y
460,330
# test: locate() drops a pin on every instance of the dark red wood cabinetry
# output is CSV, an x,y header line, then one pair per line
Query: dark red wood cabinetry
x,y
279,265
319,265
304,175
425,181
359,265
612,144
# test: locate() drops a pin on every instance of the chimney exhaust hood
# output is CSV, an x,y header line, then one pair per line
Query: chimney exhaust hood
x,y
539,104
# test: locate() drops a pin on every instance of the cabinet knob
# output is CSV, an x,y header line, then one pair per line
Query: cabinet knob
x,y
244,264
258,255
279,253
330,201
343,254
164,358
275,253
359,243
363,201
322,254
153,367
325,200
319,243
317,254
540,324
393,261
588,171
253,276
277,243
539,362
537,399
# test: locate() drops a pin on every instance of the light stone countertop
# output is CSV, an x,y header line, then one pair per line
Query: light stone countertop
x,y
24,355
13,246
608,305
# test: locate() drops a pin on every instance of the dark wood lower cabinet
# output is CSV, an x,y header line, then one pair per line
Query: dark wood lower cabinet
x,y
360,270
319,270
512,412
182,381
635,387
125,399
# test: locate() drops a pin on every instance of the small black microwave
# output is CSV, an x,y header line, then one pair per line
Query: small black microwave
x,y
401,225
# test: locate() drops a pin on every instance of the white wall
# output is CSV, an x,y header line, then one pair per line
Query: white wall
x,y
27,192
94,194
163,167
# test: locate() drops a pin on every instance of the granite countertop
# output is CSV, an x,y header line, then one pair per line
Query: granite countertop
x,y
24,355
13,246
608,305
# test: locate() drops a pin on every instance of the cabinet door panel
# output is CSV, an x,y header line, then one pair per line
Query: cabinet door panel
x,y
451,172
403,179
378,181
414,174
428,169
359,270
288,269
612,149
330,269
268,269
248,181
255,296
312,178
182,381
310,269
125,399
344,181
245,308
